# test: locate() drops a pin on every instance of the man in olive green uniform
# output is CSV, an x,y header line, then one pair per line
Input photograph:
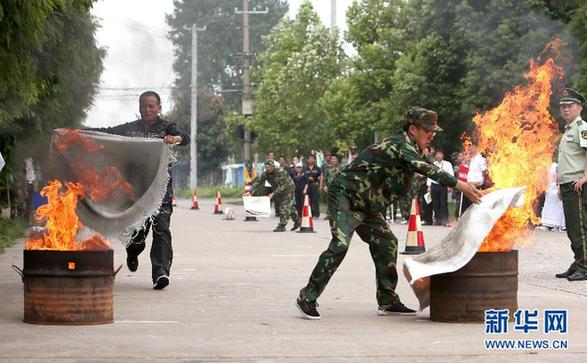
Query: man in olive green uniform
x,y
572,174
282,194
358,197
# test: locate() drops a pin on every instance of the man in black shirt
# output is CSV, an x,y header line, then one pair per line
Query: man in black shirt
x,y
313,175
152,126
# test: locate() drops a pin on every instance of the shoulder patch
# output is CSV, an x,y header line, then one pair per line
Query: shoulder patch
x,y
583,134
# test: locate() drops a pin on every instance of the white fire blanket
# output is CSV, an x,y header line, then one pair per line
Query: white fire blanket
x,y
257,206
461,244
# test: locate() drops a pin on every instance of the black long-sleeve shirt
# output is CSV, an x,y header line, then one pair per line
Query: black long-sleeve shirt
x,y
158,130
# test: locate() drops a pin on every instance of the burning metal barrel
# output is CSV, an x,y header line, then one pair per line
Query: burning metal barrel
x,y
68,287
488,281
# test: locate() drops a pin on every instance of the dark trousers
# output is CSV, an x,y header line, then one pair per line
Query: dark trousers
x,y
161,250
575,208
439,204
426,212
314,195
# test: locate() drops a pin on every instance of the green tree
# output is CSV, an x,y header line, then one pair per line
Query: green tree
x,y
455,56
303,57
220,61
53,67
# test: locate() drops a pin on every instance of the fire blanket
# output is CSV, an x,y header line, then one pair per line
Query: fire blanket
x,y
124,178
257,206
461,244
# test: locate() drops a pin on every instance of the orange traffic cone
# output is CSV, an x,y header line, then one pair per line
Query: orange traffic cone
x,y
415,239
173,201
307,221
195,204
218,205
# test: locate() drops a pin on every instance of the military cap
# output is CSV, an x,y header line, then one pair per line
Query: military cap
x,y
427,119
571,96
269,162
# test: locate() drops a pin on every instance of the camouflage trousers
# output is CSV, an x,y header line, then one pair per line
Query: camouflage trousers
x,y
285,209
372,229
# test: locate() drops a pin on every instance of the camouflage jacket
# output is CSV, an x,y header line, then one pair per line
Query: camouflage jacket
x,y
280,181
329,174
384,171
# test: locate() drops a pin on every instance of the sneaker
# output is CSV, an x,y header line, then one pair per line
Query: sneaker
x,y
395,309
308,309
279,229
296,226
404,221
132,262
161,283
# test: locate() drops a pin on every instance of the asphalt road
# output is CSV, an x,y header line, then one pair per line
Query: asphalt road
x,y
232,293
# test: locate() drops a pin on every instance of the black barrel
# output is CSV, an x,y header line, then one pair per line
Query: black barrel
x,y
68,287
488,281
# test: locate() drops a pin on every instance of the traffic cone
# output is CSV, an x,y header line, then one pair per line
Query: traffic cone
x,y
173,201
415,238
307,221
218,205
195,204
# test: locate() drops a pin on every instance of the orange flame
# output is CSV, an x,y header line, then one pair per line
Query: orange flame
x,y
100,185
519,137
62,222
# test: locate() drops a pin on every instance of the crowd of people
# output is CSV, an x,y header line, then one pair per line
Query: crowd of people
x,y
307,179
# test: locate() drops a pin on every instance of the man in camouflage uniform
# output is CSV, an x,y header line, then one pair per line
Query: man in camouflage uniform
x,y
358,197
282,194
328,175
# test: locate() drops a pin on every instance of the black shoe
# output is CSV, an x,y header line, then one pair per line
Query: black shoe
x,y
161,282
279,229
396,309
132,262
578,276
567,273
308,309
296,226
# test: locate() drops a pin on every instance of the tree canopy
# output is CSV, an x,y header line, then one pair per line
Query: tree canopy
x,y
457,57
220,62
50,70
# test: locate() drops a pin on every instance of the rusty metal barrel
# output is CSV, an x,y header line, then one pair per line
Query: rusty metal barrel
x,y
68,287
488,281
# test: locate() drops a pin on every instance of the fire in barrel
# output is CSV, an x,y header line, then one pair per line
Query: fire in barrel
x,y
518,137
67,271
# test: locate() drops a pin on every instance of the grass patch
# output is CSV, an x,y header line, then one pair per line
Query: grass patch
x,y
210,192
10,230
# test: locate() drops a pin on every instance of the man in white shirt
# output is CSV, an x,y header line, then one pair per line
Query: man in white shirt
x,y
476,174
440,193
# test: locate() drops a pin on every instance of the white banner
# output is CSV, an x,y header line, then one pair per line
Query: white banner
x,y
461,244
257,206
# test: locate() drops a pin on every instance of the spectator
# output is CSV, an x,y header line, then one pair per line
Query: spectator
x,y
440,192
301,184
461,174
313,174
553,216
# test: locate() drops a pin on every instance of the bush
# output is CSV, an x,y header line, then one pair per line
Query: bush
x,y
10,230
210,192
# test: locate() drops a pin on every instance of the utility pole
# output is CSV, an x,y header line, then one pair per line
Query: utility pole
x,y
194,110
333,14
247,96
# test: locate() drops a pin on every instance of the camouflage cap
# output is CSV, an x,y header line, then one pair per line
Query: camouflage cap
x,y
269,162
427,119
571,96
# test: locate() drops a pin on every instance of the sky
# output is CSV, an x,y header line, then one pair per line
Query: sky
x,y
140,57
